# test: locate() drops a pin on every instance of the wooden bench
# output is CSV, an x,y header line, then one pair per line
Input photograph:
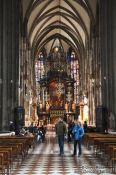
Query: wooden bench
x,y
99,146
6,162
17,147
2,167
103,144
23,141
89,138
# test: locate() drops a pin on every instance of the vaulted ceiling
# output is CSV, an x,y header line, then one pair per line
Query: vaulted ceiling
x,y
53,22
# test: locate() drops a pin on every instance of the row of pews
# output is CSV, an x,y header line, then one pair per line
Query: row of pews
x,y
14,149
104,146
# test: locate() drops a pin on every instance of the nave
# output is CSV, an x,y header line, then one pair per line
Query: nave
x,y
45,160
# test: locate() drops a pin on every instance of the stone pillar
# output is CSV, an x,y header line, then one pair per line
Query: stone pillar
x,y
1,67
108,53
112,57
9,58
103,48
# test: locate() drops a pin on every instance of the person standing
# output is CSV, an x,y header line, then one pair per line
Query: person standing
x,y
70,128
11,126
85,126
61,132
78,133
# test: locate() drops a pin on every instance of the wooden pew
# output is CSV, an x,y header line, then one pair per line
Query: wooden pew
x,y
21,140
89,138
19,146
6,162
13,149
112,149
111,143
99,143
2,167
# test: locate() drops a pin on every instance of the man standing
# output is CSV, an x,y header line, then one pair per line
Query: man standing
x,y
78,133
61,131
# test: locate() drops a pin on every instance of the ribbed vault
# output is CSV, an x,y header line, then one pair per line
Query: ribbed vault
x,y
63,21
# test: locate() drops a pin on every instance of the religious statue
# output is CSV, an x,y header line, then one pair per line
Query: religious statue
x,y
66,107
73,107
47,106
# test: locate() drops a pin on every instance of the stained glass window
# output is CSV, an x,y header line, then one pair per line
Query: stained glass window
x,y
75,75
39,72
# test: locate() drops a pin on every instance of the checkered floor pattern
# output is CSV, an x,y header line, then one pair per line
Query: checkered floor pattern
x,y
45,160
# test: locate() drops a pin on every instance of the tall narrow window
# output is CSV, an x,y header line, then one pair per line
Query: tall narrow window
x,y
39,73
75,75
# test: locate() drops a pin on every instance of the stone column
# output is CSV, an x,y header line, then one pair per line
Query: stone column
x,y
112,57
108,53
9,57
1,67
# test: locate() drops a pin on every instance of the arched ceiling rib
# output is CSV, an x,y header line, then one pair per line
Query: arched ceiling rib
x,y
70,20
63,39
50,32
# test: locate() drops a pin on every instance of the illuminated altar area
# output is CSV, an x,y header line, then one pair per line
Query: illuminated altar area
x,y
57,82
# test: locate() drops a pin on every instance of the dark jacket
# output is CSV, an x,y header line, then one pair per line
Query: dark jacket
x,y
61,128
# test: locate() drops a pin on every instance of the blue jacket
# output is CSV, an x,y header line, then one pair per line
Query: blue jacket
x,y
77,132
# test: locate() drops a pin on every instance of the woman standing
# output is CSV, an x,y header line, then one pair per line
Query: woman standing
x,y
78,133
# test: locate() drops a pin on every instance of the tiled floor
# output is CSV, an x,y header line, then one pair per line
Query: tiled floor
x,y
44,160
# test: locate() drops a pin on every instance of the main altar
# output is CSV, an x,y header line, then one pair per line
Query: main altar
x,y
56,88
